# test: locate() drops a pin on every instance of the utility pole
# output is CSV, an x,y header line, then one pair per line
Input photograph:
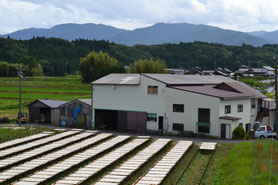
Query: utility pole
x,y
7,74
66,74
20,74
276,98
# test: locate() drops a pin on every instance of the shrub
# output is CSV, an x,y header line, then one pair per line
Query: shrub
x,y
238,132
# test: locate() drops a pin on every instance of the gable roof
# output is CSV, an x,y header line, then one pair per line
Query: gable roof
x,y
85,101
245,89
118,79
50,103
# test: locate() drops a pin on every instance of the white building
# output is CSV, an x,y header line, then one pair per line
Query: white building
x,y
212,105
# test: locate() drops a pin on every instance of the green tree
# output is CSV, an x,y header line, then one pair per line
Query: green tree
x,y
96,65
30,61
37,71
238,132
148,66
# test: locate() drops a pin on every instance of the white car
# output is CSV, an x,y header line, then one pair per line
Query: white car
x,y
263,133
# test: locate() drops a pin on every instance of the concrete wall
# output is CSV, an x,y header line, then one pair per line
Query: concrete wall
x,y
192,102
245,115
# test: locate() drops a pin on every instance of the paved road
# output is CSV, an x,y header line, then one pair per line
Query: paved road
x,y
134,134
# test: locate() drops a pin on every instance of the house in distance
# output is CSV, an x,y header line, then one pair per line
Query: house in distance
x,y
201,104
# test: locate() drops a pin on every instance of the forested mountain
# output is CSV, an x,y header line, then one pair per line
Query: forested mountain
x,y
69,32
53,54
157,34
183,32
271,37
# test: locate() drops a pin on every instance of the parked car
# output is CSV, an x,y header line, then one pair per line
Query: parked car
x,y
264,132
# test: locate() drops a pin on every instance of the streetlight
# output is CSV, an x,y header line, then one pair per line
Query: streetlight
x,y
276,98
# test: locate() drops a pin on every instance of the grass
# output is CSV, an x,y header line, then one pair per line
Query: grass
x,y
248,164
222,150
39,88
10,133
195,170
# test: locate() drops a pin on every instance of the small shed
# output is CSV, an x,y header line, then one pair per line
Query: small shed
x,y
77,113
45,111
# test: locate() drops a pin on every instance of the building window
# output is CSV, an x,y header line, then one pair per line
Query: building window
x,y
253,103
178,126
178,108
204,115
240,108
152,117
203,129
152,90
240,124
227,109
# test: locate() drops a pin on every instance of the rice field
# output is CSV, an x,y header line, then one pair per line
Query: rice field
x,y
55,88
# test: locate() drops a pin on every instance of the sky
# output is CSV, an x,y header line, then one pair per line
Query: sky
x,y
240,15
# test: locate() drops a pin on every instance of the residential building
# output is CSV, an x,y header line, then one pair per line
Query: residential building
x,y
201,104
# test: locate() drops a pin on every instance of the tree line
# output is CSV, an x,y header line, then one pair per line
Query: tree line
x,y
57,57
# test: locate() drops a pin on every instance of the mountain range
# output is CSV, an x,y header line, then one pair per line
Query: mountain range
x,y
159,33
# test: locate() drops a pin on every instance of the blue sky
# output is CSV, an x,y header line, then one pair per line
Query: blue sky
x,y
241,15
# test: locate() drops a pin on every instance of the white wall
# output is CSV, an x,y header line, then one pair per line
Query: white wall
x,y
192,102
131,98
245,115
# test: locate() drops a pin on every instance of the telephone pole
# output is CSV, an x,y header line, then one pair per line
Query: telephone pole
x,y
276,98
7,74
20,74
66,74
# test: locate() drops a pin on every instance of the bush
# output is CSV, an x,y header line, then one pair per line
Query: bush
x,y
238,132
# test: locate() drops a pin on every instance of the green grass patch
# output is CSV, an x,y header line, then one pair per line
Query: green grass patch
x,y
195,170
53,88
222,150
248,164
10,133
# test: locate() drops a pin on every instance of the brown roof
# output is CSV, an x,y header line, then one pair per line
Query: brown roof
x,y
211,91
229,118
245,89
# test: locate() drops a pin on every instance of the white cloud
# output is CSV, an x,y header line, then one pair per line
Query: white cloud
x,y
243,15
